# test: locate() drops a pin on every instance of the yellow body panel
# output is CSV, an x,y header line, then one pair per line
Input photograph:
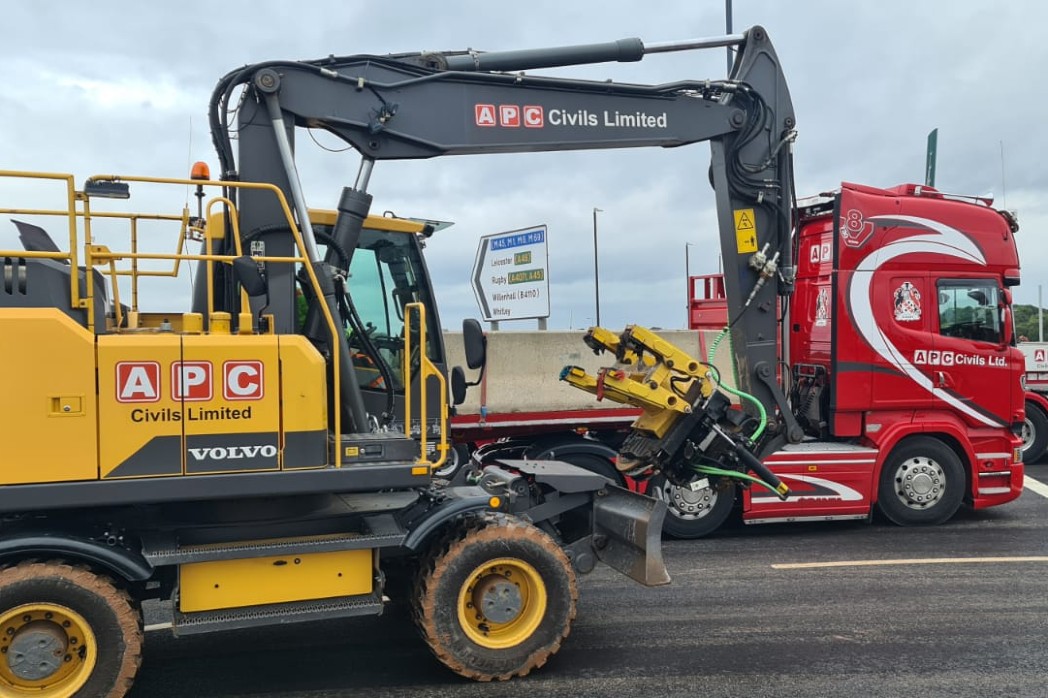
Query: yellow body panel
x,y
140,423
48,414
303,390
206,586
234,426
303,382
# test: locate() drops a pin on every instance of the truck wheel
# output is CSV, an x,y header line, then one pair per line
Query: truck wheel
x,y
922,483
693,513
1035,433
65,631
458,456
594,464
495,598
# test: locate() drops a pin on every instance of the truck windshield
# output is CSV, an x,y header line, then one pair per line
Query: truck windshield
x,y
968,309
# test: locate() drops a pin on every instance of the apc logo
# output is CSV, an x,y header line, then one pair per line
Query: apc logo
x,y
191,381
138,381
242,380
509,115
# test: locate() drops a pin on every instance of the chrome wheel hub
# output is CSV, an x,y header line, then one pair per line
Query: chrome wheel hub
x,y
685,502
920,482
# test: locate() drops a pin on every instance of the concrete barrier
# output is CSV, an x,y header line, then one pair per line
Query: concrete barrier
x,y
523,371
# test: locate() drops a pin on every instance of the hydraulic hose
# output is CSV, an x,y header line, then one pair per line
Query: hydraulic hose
x,y
735,391
734,474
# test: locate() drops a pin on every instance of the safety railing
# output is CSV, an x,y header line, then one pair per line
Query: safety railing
x,y
427,370
78,213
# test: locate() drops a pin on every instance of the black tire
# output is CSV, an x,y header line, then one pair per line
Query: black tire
x,y
693,514
1035,433
458,456
495,598
922,483
75,614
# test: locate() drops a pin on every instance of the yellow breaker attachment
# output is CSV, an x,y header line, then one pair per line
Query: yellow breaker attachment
x,y
649,372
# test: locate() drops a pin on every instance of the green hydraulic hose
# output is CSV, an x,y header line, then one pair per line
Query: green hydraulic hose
x,y
721,472
734,391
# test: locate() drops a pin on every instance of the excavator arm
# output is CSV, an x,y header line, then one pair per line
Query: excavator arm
x,y
424,105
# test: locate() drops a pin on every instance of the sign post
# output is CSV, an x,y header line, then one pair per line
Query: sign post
x,y
929,163
511,275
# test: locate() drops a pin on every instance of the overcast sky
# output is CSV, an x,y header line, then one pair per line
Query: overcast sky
x,y
122,87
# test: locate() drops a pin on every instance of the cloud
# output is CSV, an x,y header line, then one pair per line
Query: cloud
x,y
124,88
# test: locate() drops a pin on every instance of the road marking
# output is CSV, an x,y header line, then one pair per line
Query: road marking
x,y
918,561
157,626
1035,486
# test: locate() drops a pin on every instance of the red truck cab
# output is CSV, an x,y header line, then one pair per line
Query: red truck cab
x,y
901,326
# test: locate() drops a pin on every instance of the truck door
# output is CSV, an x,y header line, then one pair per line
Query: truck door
x,y
970,353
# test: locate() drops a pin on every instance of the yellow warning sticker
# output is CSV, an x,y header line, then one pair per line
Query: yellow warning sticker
x,y
745,230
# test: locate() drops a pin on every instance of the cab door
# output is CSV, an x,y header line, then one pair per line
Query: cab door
x,y
970,350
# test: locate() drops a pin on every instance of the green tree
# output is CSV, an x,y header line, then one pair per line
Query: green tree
x,y
1025,321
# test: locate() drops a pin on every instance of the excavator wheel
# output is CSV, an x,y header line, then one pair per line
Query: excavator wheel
x,y
495,598
66,631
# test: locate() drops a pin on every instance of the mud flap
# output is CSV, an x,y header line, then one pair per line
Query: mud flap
x,y
627,534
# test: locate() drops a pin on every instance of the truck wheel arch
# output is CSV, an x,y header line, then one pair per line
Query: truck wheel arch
x,y
941,431
933,458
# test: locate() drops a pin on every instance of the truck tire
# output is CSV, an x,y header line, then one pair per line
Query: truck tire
x,y
922,483
458,456
594,464
691,513
495,598
1035,433
65,631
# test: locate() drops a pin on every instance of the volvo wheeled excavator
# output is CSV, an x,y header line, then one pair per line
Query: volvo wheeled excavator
x,y
265,455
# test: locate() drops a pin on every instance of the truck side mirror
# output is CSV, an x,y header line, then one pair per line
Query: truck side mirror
x,y
476,344
458,385
1007,321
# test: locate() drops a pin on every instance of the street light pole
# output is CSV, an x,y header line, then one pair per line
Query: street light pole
x,y
596,268
687,280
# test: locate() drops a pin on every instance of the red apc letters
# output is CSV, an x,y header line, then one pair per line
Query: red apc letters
x,y
189,381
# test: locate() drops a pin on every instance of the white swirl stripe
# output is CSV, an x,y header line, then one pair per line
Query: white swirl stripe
x,y
942,240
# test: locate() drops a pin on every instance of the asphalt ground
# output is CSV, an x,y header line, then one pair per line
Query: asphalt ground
x,y
829,609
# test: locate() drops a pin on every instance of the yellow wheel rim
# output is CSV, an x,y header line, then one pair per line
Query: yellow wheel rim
x,y
45,650
502,603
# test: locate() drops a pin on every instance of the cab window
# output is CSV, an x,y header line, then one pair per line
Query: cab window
x,y
968,309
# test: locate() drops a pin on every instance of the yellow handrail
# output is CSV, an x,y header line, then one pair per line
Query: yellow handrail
x,y
427,370
96,254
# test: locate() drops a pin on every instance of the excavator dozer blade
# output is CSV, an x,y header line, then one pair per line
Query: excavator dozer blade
x,y
627,534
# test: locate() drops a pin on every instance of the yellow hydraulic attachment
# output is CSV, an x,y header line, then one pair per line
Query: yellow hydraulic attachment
x,y
685,427
649,372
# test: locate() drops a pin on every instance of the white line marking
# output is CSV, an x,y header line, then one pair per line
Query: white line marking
x,y
919,561
157,626
1035,486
